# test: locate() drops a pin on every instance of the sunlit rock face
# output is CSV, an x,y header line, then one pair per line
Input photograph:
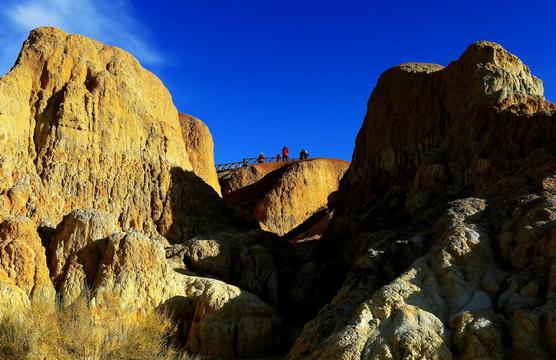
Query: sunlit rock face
x,y
85,126
131,272
23,261
93,157
441,243
282,196
200,149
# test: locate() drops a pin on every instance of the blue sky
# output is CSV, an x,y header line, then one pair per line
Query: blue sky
x,y
264,73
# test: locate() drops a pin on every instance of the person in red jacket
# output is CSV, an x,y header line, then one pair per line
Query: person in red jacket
x,y
278,158
261,158
285,154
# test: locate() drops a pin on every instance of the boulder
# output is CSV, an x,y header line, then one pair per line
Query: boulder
x,y
230,323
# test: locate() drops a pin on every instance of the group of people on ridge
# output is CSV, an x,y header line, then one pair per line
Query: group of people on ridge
x,y
285,157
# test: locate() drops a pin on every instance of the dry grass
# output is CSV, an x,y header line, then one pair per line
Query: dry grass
x,y
81,331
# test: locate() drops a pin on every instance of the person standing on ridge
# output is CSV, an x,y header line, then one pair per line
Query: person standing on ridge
x,y
278,158
285,154
261,158
303,154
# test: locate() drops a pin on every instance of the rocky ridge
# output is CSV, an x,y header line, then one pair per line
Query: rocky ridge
x,y
282,196
442,217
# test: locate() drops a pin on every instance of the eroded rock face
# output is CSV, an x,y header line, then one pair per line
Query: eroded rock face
x,y
255,261
77,133
77,230
445,221
22,258
218,319
13,300
285,198
416,108
441,293
200,148
84,126
229,322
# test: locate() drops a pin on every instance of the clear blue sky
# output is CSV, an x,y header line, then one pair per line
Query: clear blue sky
x,y
264,73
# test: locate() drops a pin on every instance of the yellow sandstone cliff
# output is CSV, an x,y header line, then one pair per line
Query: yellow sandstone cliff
x,y
84,125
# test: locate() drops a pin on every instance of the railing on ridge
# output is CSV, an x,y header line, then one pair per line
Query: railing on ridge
x,y
247,162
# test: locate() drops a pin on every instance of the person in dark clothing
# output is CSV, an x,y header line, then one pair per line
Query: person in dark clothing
x,y
303,154
285,154
261,158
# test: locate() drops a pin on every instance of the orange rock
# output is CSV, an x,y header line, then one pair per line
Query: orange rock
x,y
284,198
200,147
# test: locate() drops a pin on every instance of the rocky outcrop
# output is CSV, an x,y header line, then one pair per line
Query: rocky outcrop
x,y
13,300
448,289
200,148
245,176
440,240
23,260
479,126
77,133
76,231
133,274
286,197
255,261
457,105
93,151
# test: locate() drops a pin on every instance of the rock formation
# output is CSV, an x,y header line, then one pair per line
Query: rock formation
x,y
438,242
68,96
77,230
94,158
284,198
23,260
243,177
200,149
445,221
254,260
13,299
131,270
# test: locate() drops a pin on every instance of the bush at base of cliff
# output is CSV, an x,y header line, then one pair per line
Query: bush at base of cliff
x,y
81,331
